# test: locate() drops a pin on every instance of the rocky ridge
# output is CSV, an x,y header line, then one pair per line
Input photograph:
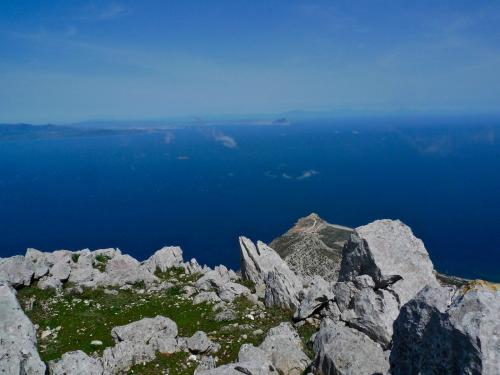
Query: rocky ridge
x,y
381,310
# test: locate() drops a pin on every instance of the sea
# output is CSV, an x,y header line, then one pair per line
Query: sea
x,y
200,187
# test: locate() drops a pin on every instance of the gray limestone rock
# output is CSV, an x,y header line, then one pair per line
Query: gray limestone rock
x,y
76,363
283,288
16,270
199,343
315,296
284,349
341,350
145,330
210,297
388,251
49,282
123,269
443,332
165,258
18,354
126,354
61,269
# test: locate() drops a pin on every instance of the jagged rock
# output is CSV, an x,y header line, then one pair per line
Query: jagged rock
x,y
145,330
284,348
245,368
341,350
49,282
39,262
442,332
76,363
264,267
313,247
373,312
315,296
282,288
123,269
388,251
220,275
61,270
126,354
249,353
199,343
165,258
229,291
257,262
193,267
16,270
210,297
18,354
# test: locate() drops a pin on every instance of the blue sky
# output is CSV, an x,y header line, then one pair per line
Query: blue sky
x,y
63,61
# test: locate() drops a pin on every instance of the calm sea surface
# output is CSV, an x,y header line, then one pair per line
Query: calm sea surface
x,y
202,187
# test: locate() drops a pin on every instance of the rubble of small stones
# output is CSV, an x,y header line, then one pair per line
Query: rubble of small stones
x,y
381,312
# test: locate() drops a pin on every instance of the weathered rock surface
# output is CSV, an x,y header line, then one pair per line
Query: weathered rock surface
x,y
388,251
284,348
145,330
315,296
199,343
313,247
76,363
442,332
264,267
18,353
123,269
16,270
341,350
165,258
125,354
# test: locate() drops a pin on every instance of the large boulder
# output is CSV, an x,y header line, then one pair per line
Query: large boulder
x,y
17,271
199,343
126,354
388,251
165,258
341,350
76,363
270,274
123,269
442,331
146,330
18,354
316,296
371,311
283,347
283,289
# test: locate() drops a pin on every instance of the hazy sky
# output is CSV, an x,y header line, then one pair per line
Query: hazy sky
x,y
75,60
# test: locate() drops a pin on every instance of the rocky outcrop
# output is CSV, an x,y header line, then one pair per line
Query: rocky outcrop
x,y
283,347
146,330
316,296
18,353
341,350
264,267
391,255
17,271
76,363
313,247
165,258
280,353
443,331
